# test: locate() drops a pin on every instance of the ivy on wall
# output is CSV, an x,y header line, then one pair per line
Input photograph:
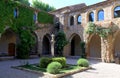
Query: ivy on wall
x,y
43,14
101,31
23,25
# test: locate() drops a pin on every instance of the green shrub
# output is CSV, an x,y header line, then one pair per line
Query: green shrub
x,y
83,62
54,67
61,60
44,61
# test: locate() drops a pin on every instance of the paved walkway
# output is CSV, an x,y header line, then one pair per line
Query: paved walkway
x,y
100,70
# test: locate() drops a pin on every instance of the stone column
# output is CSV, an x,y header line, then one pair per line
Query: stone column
x,y
106,49
39,46
87,40
52,44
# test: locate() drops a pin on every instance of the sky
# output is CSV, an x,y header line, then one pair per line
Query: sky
x,y
62,3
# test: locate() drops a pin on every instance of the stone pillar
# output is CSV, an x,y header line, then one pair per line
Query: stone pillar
x,y
75,19
39,46
104,46
52,44
87,40
95,16
107,49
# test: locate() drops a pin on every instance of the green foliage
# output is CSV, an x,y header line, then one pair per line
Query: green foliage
x,y
42,6
25,2
23,25
44,61
82,62
47,17
91,28
61,60
54,67
82,45
61,41
101,31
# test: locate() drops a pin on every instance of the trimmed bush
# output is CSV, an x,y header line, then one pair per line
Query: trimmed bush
x,y
61,60
54,67
83,62
44,61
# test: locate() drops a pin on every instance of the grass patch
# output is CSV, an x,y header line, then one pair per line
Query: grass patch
x,y
69,68
66,69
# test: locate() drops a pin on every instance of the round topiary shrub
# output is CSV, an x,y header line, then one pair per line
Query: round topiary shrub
x,y
61,60
54,67
82,62
44,61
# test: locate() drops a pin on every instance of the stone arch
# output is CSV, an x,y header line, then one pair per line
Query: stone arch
x,y
99,17
116,43
112,9
88,13
8,43
75,45
46,45
94,46
98,11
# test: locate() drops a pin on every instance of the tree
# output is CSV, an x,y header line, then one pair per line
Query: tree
x,y
42,6
61,41
25,2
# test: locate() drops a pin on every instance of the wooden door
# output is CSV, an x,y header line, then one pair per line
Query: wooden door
x,y
11,49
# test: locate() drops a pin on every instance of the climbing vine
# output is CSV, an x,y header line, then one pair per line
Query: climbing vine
x,y
23,25
61,41
101,31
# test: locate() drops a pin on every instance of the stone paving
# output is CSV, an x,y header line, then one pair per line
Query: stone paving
x,y
100,70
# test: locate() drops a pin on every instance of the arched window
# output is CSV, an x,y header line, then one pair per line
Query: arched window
x,y
91,17
117,12
79,19
100,15
15,12
71,20
35,17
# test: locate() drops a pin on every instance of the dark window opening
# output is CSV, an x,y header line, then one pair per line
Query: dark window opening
x,y
35,17
117,12
100,15
79,19
72,20
15,13
91,17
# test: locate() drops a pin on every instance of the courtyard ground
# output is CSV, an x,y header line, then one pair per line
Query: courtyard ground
x,y
100,70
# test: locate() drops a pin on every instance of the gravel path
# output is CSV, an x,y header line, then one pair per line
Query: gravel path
x,y
100,70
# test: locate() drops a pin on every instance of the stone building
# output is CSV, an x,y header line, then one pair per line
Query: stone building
x,y
73,20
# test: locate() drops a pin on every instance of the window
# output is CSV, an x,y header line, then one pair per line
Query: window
x,y
79,19
117,12
100,15
71,20
91,17
15,13
35,17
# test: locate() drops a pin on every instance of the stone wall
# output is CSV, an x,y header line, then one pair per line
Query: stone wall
x,y
108,45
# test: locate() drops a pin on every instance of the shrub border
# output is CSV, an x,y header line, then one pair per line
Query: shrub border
x,y
53,75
